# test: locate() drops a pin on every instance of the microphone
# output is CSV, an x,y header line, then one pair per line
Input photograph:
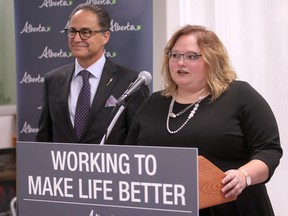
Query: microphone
x,y
144,78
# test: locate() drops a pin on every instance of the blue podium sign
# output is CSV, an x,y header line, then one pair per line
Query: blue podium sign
x,y
106,180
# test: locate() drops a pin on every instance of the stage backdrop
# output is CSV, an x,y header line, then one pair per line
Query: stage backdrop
x,y
41,46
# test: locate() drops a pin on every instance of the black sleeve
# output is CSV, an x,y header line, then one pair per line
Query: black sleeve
x,y
133,134
260,128
44,133
136,101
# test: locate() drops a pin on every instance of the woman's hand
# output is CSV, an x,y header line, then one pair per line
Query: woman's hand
x,y
234,183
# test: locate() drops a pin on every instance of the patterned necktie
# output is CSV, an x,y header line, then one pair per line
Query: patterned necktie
x,y
83,105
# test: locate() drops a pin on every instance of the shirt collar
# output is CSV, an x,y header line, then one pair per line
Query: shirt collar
x,y
95,69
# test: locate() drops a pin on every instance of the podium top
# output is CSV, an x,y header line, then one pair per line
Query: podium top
x,y
210,185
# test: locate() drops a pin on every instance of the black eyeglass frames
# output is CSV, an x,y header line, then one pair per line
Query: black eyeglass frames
x,y
84,33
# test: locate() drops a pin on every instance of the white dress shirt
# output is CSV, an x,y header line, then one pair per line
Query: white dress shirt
x,y
96,70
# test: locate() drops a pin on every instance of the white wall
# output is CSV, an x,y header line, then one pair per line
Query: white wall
x,y
255,34
7,52
7,126
7,74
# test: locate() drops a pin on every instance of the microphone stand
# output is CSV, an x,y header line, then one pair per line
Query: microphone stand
x,y
143,78
114,120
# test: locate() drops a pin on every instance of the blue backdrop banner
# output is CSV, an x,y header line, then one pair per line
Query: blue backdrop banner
x,y
41,46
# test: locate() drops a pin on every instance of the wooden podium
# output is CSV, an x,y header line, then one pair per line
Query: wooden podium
x,y
210,185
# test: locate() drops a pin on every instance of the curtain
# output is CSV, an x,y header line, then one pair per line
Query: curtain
x,y
255,34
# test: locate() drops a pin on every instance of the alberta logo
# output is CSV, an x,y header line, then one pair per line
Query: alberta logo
x,y
59,3
110,54
49,53
102,2
28,78
29,28
115,27
28,129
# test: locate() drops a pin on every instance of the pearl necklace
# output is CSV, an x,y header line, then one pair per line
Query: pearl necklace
x,y
173,115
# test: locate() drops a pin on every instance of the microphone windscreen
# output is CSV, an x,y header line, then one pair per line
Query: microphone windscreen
x,y
147,77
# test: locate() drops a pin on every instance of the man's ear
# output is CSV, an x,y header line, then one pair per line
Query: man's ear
x,y
106,37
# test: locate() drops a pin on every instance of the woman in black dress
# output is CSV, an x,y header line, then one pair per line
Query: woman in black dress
x,y
202,105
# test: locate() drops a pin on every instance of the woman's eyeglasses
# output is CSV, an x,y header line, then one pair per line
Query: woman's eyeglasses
x,y
175,56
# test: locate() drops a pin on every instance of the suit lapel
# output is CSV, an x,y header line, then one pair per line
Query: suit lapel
x,y
65,83
108,79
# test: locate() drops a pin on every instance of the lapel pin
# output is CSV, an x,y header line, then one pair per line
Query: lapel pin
x,y
109,81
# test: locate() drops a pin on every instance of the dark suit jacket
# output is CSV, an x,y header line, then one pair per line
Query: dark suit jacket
x,y
55,124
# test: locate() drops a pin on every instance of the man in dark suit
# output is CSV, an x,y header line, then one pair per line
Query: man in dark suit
x,y
88,33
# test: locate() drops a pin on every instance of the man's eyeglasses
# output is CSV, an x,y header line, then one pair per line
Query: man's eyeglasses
x,y
84,33
190,57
